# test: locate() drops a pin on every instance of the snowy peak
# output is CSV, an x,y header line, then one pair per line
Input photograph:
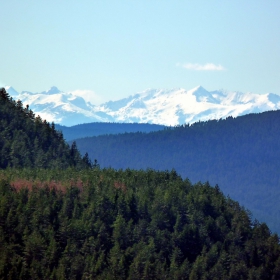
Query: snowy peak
x,y
60,107
197,89
179,106
11,91
52,90
158,106
202,95
274,98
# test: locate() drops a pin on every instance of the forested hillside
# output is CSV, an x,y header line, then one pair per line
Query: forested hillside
x,y
107,224
240,154
29,141
98,128
63,218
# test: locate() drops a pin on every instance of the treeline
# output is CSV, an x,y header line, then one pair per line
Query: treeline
x,y
240,154
29,141
98,128
108,224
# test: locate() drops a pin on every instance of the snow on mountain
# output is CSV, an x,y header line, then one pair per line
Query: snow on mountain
x,y
58,106
179,106
11,91
168,107
52,90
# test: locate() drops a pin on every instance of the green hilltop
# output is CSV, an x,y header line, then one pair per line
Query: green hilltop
x,y
241,155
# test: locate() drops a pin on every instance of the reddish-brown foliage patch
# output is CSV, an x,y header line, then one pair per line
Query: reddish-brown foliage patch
x,y
120,185
58,186
77,183
22,184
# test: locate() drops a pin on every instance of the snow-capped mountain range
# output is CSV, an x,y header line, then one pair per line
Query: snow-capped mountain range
x,y
168,107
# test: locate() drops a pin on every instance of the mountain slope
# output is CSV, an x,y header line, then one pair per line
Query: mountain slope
x,y
27,142
179,106
109,224
166,107
59,107
240,154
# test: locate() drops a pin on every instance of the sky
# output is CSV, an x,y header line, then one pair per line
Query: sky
x,y
107,50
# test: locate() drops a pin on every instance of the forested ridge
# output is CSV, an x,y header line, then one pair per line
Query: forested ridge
x,y
101,128
108,224
62,217
240,154
29,141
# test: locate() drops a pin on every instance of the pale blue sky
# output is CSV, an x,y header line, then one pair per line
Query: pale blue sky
x,y
117,48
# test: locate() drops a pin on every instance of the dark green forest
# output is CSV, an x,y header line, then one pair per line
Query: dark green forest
x,y
240,154
62,217
108,224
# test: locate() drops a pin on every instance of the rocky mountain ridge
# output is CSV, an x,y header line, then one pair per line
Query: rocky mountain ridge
x,y
158,106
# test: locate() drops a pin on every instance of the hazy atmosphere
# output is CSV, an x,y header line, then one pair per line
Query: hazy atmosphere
x,y
108,50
